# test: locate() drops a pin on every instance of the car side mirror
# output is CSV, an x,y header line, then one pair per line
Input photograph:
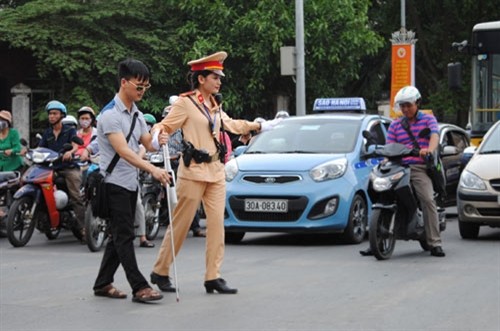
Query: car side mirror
x,y
449,150
239,150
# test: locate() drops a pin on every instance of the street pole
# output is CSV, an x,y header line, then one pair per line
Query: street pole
x,y
300,67
403,14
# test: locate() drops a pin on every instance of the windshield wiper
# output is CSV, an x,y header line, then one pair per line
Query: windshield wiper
x,y
298,152
492,151
255,152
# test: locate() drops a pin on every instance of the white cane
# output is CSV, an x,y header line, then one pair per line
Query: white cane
x,y
172,201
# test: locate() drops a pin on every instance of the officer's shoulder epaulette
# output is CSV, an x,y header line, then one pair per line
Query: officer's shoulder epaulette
x,y
186,94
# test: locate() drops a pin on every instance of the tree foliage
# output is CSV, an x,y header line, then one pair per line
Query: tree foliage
x,y
78,43
437,24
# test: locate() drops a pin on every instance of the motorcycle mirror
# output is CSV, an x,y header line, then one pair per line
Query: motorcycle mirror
x,y
424,133
370,139
367,135
77,140
24,142
67,147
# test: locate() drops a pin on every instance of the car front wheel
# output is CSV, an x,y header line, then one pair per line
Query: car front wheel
x,y
355,231
233,237
468,230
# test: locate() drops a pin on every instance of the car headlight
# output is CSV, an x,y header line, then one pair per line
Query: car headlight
x,y
330,170
470,181
381,184
231,170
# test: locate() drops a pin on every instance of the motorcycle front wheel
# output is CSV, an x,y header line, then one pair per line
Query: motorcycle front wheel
x,y
151,215
382,242
20,221
95,230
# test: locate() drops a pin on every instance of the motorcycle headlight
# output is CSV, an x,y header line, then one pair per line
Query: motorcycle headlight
x,y
470,181
381,184
39,157
329,170
231,170
156,158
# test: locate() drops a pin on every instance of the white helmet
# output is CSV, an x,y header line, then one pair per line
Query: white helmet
x,y
407,94
172,99
70,119
282,114
61,199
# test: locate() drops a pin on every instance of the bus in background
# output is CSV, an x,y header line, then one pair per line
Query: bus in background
x,y
485,100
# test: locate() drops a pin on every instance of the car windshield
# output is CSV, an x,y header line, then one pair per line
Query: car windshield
x,y
491,145
318,136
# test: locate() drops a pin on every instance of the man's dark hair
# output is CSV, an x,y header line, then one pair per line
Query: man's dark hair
x,y
131,68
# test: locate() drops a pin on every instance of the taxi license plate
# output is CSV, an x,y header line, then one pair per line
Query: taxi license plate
x,y
266,205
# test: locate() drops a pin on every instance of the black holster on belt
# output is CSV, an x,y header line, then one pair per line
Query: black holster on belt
x,y
187,153
191,153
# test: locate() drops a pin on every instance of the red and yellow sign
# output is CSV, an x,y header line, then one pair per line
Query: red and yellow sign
x,y
403,71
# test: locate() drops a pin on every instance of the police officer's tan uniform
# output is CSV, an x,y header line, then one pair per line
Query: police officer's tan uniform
x,y
200,181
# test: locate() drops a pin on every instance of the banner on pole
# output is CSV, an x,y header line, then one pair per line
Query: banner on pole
x,y
402,71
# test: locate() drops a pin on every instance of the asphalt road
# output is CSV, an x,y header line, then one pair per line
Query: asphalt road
x,y
285,282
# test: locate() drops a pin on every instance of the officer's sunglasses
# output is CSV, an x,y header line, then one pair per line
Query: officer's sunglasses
x,y
140,88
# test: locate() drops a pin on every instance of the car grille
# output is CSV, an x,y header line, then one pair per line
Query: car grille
x,y
296,206
495,183
489,211
269,179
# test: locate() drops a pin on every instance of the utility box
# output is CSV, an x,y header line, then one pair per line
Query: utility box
x,y
287,60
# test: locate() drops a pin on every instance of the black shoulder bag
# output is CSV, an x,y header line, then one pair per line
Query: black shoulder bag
x,y
434,169
96,187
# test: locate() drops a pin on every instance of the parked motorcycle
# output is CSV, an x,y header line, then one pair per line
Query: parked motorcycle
x,y
154,198
396,210
42,200
96,228
10,181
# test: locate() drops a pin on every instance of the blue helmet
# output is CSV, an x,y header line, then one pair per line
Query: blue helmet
x,y
54,104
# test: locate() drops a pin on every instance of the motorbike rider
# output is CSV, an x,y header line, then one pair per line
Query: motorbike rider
x,y
408,100
54,137
88,132
10,144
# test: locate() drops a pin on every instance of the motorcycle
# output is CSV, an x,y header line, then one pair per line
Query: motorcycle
x,y
96,228
396,210
154,198
10,181
42,200
9,184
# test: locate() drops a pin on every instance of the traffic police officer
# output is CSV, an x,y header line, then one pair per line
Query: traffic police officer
x,y
199,116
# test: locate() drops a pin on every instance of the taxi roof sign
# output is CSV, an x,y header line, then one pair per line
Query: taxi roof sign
x,y
339,104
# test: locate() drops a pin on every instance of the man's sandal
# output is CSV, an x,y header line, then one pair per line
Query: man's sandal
x,y
147,294
109,291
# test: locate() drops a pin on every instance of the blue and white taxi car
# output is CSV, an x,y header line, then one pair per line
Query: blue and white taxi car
x,y
304,175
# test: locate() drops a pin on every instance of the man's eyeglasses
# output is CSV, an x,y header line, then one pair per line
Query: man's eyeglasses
x,y
140,88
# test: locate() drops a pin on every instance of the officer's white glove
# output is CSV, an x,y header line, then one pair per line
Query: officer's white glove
x,y
269,125
156,144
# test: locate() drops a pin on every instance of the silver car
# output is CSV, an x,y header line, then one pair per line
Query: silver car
x,y
478,194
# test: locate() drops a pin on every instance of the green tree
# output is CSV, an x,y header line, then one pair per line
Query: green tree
x,y
77,45
437,24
